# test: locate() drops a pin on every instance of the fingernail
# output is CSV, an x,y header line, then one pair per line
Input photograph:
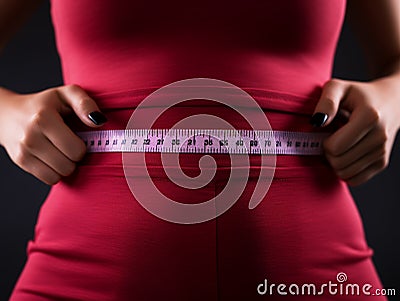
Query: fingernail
x,y
97,117
319,119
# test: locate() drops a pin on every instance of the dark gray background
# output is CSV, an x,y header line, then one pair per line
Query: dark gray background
x,y
30,63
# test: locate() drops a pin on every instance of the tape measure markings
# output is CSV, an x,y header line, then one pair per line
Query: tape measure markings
x,y
224,141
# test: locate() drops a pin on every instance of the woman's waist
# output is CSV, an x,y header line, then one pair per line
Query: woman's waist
x,y
260,110
249,118
246,119
185,98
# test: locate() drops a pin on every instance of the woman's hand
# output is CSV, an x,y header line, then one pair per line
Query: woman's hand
x,y
361,148
35,136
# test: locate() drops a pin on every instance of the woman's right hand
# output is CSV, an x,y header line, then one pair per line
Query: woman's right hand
x,y
33,132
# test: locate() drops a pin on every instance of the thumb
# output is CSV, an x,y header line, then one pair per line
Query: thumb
x,y
328,105
82,104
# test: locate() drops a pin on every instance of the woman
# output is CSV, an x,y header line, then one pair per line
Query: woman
x,y
92,244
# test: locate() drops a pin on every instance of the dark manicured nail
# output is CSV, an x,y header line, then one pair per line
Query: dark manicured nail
x,y
319,119
97,117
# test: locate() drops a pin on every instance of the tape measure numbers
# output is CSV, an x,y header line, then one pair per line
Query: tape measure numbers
x,y
204,141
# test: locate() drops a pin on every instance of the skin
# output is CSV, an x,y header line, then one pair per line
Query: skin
x,y
362,147
36,138
32,128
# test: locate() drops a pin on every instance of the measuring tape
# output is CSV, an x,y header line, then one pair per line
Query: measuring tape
x,y
215,141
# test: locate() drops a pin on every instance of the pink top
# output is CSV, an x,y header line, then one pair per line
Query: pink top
x,y
286,46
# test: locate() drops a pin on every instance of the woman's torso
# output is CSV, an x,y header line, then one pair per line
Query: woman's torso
x,y
94,241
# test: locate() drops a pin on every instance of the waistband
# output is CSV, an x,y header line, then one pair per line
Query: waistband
x,y
267,99
285,112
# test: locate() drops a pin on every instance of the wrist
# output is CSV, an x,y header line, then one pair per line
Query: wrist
x,y
6,99
390,82
389,91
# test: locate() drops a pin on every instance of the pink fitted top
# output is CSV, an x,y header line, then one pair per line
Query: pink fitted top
x,y
284,46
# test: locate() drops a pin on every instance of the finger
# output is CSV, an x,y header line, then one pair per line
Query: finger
x,y
361,164
366,174
82,104
62,137
371,141
327,107
360,123
40,170
46,152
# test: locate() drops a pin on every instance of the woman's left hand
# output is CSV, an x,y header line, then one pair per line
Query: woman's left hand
x,y
361,148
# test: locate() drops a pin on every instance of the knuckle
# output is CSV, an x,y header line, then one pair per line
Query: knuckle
x,y
372,115
72,87
38,119
52,180
28,141
335,163
381,159
69,169
79,152
382,135
329,102
332,149
82,103
82,100
21,157
334,82
382,138
46,95
383,162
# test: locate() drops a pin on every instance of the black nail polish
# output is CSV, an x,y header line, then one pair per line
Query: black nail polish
x,y
97,117
319,119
